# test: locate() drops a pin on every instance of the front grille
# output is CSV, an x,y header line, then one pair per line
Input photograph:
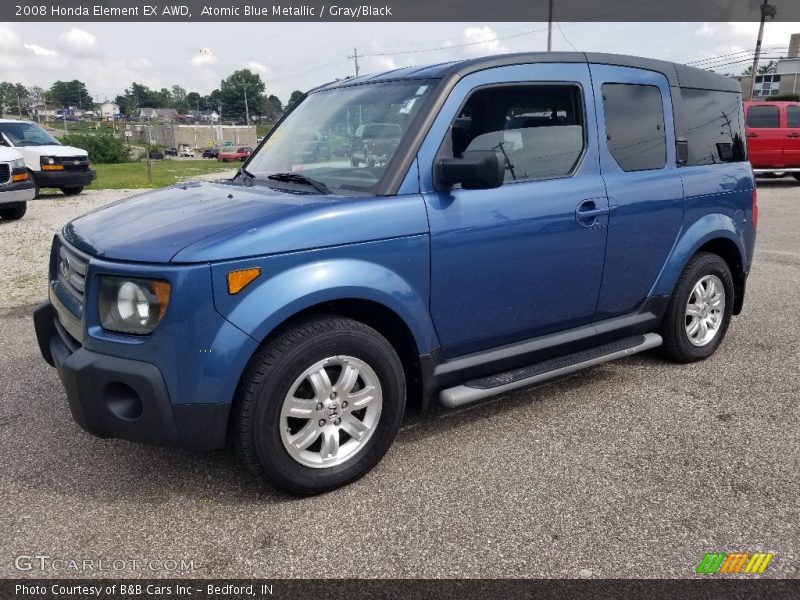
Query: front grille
x,y
71,269
75,163
5,173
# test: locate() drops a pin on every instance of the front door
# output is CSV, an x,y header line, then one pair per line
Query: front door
x,y
765,136
525,259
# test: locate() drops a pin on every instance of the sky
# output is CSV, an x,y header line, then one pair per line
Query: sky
x,y
289,56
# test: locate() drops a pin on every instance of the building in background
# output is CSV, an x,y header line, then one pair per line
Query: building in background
x,y
784,81
108,110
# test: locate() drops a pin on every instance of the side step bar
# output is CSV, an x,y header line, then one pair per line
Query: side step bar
x,y
478,389
786,170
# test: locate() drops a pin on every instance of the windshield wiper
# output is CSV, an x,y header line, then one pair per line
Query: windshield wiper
x,y
302,179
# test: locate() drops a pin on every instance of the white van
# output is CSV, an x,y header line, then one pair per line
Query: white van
x,y
49,163
16,186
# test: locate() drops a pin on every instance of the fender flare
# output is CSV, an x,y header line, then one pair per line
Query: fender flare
x,y
708,228
290,292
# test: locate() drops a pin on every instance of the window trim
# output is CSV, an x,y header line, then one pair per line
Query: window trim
x,y
663,126
440,153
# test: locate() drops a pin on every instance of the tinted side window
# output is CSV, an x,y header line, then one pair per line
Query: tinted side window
x,y
538,129
762,116
793,116
713,126
635,126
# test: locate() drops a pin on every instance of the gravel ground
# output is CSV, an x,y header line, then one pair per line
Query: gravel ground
x,y
636,468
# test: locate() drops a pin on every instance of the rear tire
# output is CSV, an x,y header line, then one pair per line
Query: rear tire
x,y
699,312
71,190
301,424
13,212
796,176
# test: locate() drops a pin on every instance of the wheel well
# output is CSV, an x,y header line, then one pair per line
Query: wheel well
x,y
383,320
728,251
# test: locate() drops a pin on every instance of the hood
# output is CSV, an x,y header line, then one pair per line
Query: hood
x,y
209,222
52,150
154,226
9,154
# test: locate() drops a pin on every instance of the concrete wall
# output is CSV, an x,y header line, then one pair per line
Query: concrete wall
x,y
192,136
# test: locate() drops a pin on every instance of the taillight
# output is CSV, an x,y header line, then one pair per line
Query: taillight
x,y
755,208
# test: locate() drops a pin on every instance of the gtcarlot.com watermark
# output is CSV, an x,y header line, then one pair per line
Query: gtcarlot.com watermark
x,y
45,563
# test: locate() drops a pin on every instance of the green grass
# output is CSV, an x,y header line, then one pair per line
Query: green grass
x,y
165,172
82,127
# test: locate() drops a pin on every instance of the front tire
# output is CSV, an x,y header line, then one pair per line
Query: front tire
x,y
13,212
699,312
796,176
71,190
320,405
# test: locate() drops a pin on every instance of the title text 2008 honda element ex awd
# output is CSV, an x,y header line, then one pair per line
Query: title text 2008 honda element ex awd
x,y
529,215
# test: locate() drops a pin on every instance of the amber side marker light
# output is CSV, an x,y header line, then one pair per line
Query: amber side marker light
x,y
19,177
52,167
238,280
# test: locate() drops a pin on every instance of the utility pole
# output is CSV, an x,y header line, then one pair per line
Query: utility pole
x,y
767,10
246,110
550,26
149,148
355,56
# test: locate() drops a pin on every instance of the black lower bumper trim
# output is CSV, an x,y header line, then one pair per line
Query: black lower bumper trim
x,y
113,397
63,178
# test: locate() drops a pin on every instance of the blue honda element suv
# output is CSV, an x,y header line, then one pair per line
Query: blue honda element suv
x,y
516,218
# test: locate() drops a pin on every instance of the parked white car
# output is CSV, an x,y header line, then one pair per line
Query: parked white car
x,y
186,153
16,186
49,163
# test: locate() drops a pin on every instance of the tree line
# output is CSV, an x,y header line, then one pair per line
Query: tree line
x,y
242,92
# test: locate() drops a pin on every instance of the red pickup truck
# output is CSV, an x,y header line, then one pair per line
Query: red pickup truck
x,y
241,154
773,136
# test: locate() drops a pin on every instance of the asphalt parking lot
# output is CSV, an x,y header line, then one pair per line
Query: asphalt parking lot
x,y
636,468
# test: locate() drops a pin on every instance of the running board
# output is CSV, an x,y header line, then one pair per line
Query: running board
x,y
478,389
786,170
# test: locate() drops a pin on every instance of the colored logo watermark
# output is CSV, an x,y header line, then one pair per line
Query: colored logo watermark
x,y
720,563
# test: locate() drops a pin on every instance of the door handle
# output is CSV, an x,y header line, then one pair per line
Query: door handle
x,y
752,135
587,212
793,135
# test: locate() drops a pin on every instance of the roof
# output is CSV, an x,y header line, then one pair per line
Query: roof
x,y
676,74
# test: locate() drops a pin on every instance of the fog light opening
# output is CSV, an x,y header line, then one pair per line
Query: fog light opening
x,y
122,401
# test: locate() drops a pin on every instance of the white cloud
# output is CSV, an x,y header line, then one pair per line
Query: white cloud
x,y
40,50
482,40
204,57
258,67
9,40
78,42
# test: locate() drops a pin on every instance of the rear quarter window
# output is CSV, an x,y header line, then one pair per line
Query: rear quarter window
x,y
712,124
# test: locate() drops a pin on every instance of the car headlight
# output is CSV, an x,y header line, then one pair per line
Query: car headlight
x,y
51,163
130,305
18,163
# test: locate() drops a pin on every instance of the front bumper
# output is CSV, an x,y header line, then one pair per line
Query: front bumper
x,y
17,192
123,398
63,178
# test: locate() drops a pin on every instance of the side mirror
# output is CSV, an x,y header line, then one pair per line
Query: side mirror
x,y
476,170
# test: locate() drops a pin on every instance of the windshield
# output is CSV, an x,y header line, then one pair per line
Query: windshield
x,y
345,137
27,134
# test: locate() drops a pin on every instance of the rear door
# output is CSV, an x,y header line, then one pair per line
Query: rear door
x,y
791,148
645,194
765,135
